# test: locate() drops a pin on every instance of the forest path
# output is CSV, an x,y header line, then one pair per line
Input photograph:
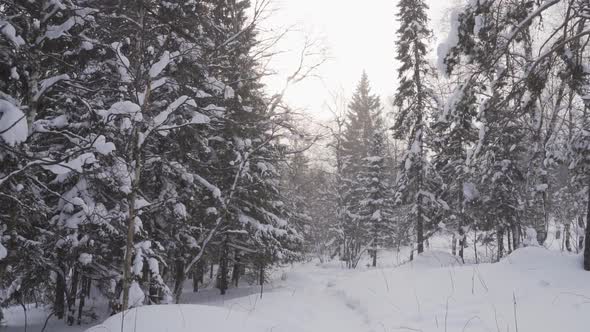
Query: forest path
x,y
533,289
300,298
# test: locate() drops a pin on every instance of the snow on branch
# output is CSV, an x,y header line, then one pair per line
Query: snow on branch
x,y
13,124
48,83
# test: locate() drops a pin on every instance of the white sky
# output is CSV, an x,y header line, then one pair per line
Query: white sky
x,y
359,35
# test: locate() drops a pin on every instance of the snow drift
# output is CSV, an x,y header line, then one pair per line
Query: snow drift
x,y
181,318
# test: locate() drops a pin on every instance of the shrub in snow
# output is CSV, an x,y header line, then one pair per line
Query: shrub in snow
x,y
530,238
136,295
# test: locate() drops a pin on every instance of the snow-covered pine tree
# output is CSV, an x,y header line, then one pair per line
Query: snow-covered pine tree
x,y
248,153
414,101
118,122
41,54
337,130
377,203
454,133
581,164
362,152
151,103
299,192
494,40
324,231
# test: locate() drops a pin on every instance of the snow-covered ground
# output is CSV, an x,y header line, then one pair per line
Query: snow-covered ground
x,y
533,289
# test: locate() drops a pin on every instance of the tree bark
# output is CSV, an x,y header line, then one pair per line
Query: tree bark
x,y
508,240
500,236
261,276
179,279
60,290
475,246
580,245
88,285
420,234
73,295
261,273
136,156
196,279
83,293
462,243
587,236
515,236
222,275
235,277
567,236
462,248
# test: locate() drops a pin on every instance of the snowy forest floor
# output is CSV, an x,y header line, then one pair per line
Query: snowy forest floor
x,y
533,289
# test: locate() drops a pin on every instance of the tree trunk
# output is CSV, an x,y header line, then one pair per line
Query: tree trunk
x,y
515,236
500,236
135,156
235,276
462,244
196,279
420,234
130,244
508,240
261,276
179,279
60,290
154,292
222,275
83,293
475,246
462,248
89,284
374,253
454,245
73,295
587,236
567,236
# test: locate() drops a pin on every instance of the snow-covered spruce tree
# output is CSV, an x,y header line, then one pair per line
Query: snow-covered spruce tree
x,y
581,164
454,132
111,121
151,103
500,151
352,153
299,192
41,56
361,164
377,203
414,101
323,209
339,184
492,39
253,221
568,197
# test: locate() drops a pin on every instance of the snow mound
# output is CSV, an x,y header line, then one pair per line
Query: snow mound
x,y
541,258
181,318
435,259
533,289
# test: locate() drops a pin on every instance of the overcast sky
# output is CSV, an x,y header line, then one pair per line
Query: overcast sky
x,y
359,35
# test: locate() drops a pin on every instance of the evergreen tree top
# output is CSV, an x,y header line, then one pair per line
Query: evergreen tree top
x,y
363,101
